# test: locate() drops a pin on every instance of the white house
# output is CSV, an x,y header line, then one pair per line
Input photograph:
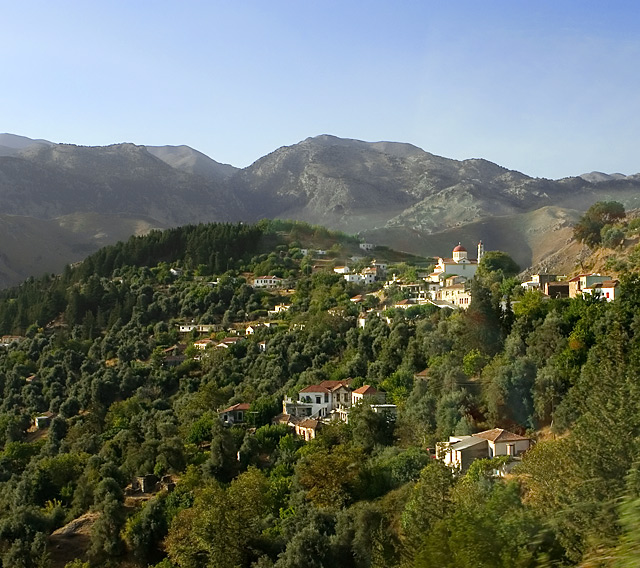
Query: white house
x,y
579,283
367,246
251,329
319,400
199,327
236,414
608,289
355,278
202,344
279,308
342,270
457,294
369,274
268,282
9,339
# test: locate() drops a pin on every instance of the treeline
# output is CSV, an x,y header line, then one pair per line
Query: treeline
x,y
205,250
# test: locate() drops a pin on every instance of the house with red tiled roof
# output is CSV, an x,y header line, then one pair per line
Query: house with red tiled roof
x,y
422,375
607,290
308,428
236,414
229,341
579,283
367,393
319,400
461,451
331,400
202,344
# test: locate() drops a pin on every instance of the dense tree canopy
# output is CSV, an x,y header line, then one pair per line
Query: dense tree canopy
x,y
589,227
126,394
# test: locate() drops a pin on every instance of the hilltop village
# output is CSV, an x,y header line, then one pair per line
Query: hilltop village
x,y
281,396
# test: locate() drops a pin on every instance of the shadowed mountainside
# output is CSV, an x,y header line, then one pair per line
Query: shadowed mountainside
x,y
393,193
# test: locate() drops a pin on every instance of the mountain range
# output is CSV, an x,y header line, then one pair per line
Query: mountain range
x,y
60,201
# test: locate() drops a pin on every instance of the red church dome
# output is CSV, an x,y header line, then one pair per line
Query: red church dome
x,y
459,248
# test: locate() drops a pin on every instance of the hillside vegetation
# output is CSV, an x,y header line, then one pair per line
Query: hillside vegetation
x,y
128,395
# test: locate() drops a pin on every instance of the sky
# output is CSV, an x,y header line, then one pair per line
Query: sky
x,y
549,88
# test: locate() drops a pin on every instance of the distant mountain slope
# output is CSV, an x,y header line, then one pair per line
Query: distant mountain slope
x,y
191,161
32,247
11,144
49,181
528,237
354,186
20,142
394,193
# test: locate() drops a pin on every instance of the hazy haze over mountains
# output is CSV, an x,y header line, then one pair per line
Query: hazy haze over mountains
x,y
394,193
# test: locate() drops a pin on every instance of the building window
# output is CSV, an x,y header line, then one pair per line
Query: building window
x,y
326,397
317,400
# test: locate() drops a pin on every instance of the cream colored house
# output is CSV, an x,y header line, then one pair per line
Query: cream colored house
x,y
461,451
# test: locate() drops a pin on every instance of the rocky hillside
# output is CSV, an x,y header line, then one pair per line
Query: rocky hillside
x,y
393,193
48,181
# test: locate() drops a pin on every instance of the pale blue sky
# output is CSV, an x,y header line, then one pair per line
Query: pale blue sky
x,y
550,88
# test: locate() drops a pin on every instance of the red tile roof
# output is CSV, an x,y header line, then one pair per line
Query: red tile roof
x,y
229,340
499,435
240,406
315,388
309,423
333,385
366,389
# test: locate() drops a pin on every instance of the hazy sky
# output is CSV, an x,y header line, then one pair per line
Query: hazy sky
x,y
550,88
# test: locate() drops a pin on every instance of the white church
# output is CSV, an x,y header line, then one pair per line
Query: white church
x,y
458,265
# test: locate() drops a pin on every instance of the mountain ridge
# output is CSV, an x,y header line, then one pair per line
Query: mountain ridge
x,y
382,190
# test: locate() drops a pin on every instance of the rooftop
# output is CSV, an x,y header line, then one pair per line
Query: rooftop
x,y
499,435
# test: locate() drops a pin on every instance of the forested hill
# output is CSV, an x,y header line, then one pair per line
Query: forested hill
x,y
119,392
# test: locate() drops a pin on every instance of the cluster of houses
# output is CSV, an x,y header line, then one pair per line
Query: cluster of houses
x,y
374,272
317,405
594,284
447,286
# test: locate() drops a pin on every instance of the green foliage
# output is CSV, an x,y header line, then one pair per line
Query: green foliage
x,y
331,477
221,527
429,502
363,494
588,228
497,261
611,237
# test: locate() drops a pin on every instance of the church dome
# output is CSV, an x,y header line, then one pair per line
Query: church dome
x,y
459,248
